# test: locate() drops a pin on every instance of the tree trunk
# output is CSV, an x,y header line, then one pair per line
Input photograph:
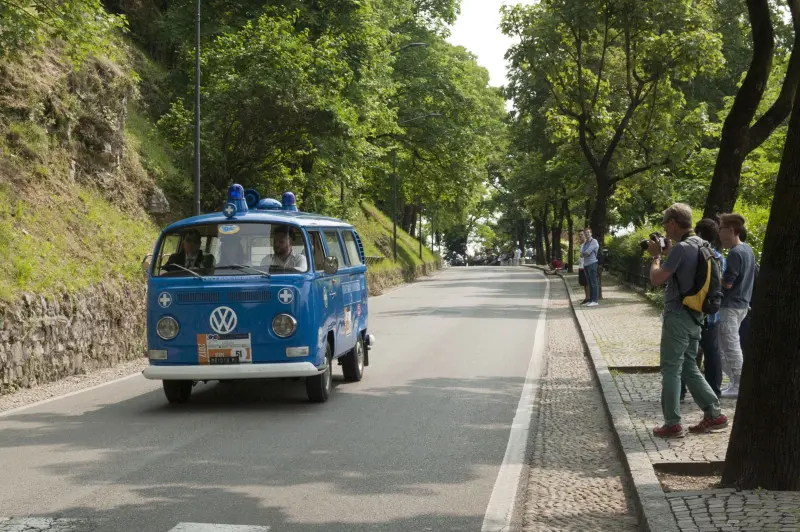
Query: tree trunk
x,y
556,230
600,211
570,235
733,146
538,244
587,214
409,219
548,250
764,448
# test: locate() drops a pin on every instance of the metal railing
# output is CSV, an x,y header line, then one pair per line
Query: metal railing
x,y
640,278
372,260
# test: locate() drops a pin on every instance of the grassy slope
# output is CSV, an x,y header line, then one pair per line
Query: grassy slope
x,y
62,233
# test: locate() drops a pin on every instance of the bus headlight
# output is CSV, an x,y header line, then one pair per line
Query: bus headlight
x,y
284,325
167,328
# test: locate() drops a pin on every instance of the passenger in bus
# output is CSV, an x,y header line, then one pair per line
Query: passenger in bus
x,y
190,255
283,253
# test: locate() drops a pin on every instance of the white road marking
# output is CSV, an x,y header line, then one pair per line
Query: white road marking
x,y
50,524
210,527
70,394
503,502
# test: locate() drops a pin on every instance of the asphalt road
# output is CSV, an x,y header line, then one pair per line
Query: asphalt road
x,y
416,445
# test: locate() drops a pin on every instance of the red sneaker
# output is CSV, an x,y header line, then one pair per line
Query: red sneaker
x,y
674,431
710,424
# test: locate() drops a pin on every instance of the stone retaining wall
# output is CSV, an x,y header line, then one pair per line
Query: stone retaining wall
x,y
43,340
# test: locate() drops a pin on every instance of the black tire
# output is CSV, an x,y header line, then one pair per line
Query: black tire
x,y
353,362
178,391
319,386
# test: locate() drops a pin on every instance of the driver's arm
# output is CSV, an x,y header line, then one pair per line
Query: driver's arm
x,y
301,264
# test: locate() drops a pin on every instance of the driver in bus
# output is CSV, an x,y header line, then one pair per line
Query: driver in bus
x,y
283,253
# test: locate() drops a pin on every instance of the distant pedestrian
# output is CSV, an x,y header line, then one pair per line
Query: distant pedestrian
x,y
581,272
681,329
708,230
589,250
517,257
737,290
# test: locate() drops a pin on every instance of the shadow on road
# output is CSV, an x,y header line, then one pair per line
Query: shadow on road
x,y
236,454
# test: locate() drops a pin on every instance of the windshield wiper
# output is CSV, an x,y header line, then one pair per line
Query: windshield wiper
x,y
187,270
246,268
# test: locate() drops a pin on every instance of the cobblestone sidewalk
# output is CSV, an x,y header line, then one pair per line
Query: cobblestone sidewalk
x,y
627,330
577,480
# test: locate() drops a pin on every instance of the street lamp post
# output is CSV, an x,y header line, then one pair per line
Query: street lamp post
x,y
394,203
419,208
197,112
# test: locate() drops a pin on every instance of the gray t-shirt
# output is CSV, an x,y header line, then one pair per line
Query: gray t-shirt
x,y
589,252
682,262
740,271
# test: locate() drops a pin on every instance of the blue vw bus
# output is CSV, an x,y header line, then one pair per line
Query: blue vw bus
x,y
257,291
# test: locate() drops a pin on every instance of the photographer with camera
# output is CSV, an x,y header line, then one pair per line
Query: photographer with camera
x,y
681,330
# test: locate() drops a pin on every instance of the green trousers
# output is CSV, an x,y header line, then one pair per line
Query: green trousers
x,y
680,337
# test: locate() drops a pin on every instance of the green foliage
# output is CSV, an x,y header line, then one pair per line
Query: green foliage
x,y
84,26
756,219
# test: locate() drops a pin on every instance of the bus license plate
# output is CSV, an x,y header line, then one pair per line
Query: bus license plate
x,y
224,349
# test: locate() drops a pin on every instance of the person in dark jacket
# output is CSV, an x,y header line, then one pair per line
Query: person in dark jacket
x,y
190,255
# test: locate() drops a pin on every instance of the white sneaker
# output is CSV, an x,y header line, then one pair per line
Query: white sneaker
x,y
593,304
731,393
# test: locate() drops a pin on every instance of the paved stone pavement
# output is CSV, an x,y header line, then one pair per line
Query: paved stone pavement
x,y
729,510
626,326
577,481
627,329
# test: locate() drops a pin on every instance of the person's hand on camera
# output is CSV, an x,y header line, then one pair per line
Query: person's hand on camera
x,y
654,247
668,245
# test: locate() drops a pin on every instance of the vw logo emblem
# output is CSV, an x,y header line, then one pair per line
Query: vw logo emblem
x,y
223,320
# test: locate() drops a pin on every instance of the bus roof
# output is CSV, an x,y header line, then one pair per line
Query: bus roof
x,y
301,219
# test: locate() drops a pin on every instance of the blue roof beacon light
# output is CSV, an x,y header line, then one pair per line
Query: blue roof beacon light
x,y
269,204
289,202
236,203
252,197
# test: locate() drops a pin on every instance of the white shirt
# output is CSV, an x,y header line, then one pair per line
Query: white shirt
x,y
296,262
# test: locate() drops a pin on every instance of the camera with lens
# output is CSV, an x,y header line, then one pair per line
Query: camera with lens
x,y
654,237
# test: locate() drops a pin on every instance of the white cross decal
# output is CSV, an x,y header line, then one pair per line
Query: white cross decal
x,y
229,210
285,296
164,299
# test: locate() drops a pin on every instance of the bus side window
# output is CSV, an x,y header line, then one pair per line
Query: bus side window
x,y
317,250
352,248
335,247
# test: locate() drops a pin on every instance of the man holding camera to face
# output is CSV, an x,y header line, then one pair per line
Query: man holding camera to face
x,y
680,333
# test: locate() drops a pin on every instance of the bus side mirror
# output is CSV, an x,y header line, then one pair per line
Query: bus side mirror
x,y
146,263
331,265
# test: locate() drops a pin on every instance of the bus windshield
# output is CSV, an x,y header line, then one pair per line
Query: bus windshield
x,y
232,249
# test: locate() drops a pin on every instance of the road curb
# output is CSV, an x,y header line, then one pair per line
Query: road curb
x,y
653,510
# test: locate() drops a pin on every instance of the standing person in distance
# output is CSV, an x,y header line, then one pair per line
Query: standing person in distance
x,y
737,290
581,271
589,251
681,331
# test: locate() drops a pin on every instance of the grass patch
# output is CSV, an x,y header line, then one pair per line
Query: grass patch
x,y
378,227
73,241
